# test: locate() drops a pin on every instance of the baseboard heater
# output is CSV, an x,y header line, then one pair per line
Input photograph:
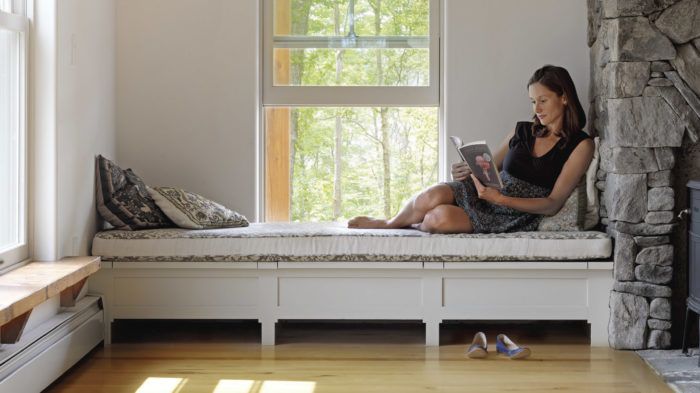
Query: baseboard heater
x,y
48,350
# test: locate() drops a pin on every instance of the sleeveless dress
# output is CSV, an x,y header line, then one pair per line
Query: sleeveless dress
x,y
523,176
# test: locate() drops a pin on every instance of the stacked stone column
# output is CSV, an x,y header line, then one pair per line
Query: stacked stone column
x,y
645,81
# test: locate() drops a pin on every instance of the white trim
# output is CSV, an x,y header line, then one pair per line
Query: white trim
x,y
43,154
13,22
350,95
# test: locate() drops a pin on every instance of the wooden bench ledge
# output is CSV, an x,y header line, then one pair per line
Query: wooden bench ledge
x,y
26,287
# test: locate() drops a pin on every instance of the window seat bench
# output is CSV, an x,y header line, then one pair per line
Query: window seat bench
x,y
274,271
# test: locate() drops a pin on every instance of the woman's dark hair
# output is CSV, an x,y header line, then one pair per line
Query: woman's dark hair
x,y
558,80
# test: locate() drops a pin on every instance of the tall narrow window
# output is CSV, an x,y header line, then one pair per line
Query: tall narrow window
x,y
13,131
351,98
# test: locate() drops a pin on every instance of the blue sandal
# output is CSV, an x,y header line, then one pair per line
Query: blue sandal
x,y
508,347
478,349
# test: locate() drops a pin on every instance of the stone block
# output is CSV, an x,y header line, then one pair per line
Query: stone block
x,y
628,160
603,211
659,339
654,274
626,197
664,217
624,257
665,158
681,21
659,82
635,122
657,74
628,320
656,255
660,66
601,174
616,8
634,39
660,308
594,16
625,79
660,198
642,289
649,241
600,185
643,229
660,179
687,63
691,97
658,324
679,104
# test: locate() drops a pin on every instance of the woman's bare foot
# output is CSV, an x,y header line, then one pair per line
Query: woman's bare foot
x,y
363,222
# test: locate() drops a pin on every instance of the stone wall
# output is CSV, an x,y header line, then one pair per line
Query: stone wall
x,y
645,83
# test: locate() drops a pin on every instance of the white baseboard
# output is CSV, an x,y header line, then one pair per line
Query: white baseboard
x,y
49,350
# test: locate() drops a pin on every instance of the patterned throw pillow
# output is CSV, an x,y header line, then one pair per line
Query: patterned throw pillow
x,y
571,216
193,211
123,200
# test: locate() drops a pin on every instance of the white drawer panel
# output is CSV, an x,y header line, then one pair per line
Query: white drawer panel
x,y
186,291
349,293
526,292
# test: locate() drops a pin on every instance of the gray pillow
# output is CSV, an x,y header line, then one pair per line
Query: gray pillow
x,y
123,200
571,216
193,211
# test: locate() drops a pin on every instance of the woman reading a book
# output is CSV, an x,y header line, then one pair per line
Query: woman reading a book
x,y
542,164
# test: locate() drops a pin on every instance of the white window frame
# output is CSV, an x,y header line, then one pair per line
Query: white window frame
x,y
376,96
18,21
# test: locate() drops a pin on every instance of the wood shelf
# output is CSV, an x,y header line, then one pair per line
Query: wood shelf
x,y
26,287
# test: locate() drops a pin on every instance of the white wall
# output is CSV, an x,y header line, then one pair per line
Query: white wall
x,y
492,47
85,115
187,82
186,95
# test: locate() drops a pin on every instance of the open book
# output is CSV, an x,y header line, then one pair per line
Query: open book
x,y
478,157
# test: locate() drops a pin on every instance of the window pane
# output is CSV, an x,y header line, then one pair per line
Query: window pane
x,y
328,164
336,18
352,67
6,5
10,141
325,43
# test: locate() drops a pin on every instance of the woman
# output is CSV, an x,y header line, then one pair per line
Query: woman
x,y
542,163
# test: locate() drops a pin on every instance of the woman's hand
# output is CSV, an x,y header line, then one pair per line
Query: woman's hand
x,y
489,194
460,171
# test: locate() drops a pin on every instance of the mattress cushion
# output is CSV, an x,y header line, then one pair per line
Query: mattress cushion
x,y
331,242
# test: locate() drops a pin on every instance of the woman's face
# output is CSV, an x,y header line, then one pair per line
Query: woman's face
x,y
548,106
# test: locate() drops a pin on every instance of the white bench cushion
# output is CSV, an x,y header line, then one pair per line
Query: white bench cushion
x,y
331,242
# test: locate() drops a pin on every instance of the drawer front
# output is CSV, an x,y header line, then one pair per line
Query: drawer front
x,y
694,266
694,224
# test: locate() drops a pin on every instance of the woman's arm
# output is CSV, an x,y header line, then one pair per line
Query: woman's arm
x,y
574,168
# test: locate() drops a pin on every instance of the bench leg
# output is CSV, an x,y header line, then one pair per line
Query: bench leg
x,y
268,328
432,333
599,287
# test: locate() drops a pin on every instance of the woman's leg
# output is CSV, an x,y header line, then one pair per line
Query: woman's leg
x,y
413,212
447,219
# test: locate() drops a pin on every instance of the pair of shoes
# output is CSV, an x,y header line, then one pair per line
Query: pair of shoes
x,y
504,345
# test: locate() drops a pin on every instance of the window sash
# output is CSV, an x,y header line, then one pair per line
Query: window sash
x,y
18,22
350,95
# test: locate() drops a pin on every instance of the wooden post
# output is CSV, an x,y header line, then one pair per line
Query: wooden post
x,y
277,129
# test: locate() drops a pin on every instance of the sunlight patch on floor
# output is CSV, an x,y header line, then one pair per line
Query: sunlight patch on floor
x,y
161,385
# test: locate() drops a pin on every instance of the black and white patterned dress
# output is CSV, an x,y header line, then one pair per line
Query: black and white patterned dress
x,y
535,179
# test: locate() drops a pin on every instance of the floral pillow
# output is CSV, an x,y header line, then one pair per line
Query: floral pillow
x,y
193,211
123,200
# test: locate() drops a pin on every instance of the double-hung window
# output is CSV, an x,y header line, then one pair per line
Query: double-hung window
x,y
350,106
14,27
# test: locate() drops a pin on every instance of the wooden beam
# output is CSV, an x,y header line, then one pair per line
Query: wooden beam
x,y
11,332
277,129
69,294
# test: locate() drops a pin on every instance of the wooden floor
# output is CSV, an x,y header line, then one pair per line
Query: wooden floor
x,y
321,358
